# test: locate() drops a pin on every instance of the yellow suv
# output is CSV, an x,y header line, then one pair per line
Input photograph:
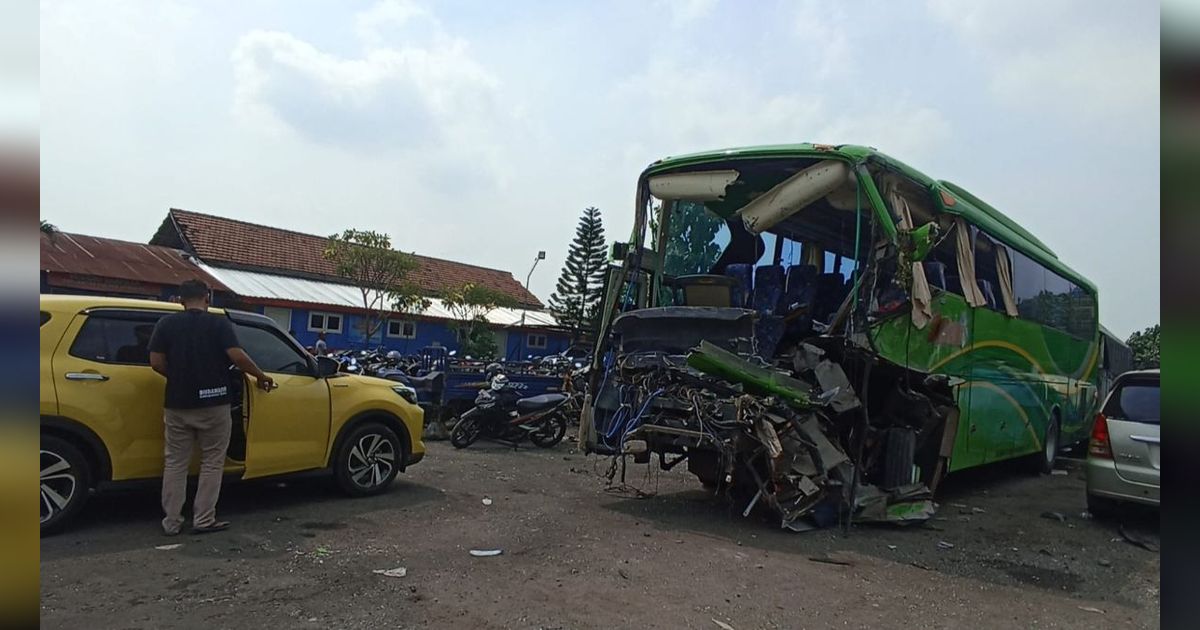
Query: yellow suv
x,y
101,407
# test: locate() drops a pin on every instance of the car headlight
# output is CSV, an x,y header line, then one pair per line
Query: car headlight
x,y
406,392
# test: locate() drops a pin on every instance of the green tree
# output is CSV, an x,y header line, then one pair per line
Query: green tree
x,y
367,260
577,296
49,229
470,305
1144,344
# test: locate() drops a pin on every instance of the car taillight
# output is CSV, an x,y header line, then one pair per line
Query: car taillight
x,y
1099,445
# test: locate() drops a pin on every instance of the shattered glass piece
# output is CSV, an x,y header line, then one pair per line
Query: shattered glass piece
x,y
831,455
806,358
807,486
870,504
830,376
799,526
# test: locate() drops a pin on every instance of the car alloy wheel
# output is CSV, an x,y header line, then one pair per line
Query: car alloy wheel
x,y
58,484
372,460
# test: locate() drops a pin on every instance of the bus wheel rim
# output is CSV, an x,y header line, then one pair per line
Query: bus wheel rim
x,y
1051,443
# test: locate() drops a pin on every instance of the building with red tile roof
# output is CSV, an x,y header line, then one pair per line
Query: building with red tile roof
x,y
235,244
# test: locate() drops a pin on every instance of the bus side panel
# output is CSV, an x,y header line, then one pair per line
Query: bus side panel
x,y
1017,371
1010,367
1077,360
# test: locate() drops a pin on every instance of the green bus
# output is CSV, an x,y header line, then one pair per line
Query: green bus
x,y
877,263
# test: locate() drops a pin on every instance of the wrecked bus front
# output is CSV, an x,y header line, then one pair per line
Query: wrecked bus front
x,y
826,332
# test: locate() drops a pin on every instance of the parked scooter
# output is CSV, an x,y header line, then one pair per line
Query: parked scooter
x,y
501,414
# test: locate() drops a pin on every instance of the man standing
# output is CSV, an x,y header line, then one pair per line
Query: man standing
x,y
193,349
322,348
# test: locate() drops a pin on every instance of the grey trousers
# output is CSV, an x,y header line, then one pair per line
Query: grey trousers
x,y
208,428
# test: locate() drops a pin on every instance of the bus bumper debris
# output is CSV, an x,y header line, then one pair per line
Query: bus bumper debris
x,y
796,441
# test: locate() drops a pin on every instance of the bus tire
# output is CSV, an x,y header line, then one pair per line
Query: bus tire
x,y
899,457
1044,461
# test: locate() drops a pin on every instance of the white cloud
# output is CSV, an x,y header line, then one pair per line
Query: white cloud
x,y
387,18
434,100
684,12
1056,57
694,107
903,129
824,29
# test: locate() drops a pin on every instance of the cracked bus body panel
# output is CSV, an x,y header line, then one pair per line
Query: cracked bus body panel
x,y
827,332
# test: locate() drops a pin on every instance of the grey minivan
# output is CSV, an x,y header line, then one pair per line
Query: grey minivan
x,y
1123,452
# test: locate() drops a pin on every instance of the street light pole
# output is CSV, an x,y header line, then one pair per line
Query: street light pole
x,y
541,255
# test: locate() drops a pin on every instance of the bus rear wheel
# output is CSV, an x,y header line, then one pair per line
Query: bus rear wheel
x,y
1044,461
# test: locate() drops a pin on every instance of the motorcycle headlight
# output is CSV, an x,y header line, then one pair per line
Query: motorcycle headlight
x,y
406,392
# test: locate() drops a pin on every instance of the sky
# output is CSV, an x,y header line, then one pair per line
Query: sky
x,y
479,131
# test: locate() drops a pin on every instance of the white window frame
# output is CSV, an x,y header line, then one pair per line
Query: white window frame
x,y
530,344
324,327
401,322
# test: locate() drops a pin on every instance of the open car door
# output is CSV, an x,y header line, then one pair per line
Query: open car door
x,y
287,428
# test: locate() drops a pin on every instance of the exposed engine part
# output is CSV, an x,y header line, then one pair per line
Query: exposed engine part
x,y
786,440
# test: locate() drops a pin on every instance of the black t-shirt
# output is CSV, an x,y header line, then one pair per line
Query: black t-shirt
x,y
197,366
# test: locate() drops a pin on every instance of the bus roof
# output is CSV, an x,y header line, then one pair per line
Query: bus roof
x,y
1108,333
950,197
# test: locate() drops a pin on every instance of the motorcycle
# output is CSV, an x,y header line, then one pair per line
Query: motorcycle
x,y
501,414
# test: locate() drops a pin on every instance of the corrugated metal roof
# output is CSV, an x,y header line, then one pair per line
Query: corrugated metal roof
x,y
110,258
234,243
253,284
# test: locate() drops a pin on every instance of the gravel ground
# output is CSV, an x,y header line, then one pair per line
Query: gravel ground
x,y
578,556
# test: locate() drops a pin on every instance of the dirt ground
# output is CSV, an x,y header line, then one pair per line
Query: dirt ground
x,y
577,556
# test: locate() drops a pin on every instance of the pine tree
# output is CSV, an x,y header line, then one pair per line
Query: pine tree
x,y
577,295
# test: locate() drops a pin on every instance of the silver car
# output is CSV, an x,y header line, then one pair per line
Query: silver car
x,y
1123,452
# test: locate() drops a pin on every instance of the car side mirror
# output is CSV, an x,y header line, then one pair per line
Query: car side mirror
x,y
326,366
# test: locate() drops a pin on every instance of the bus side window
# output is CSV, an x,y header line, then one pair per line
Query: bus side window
x,y
943,255
1029,281
1081,321
986,274
1056,301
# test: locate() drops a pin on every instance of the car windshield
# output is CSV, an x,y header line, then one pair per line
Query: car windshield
x,y
1136,401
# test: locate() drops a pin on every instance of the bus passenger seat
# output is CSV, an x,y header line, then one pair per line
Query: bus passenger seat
x,y
768,288
953,285
742,274
831,290
801,287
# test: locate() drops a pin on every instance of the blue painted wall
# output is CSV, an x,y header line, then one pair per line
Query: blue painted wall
x,y
429,333
518,348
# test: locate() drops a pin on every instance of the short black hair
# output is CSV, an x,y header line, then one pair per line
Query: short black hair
x,y
193,290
